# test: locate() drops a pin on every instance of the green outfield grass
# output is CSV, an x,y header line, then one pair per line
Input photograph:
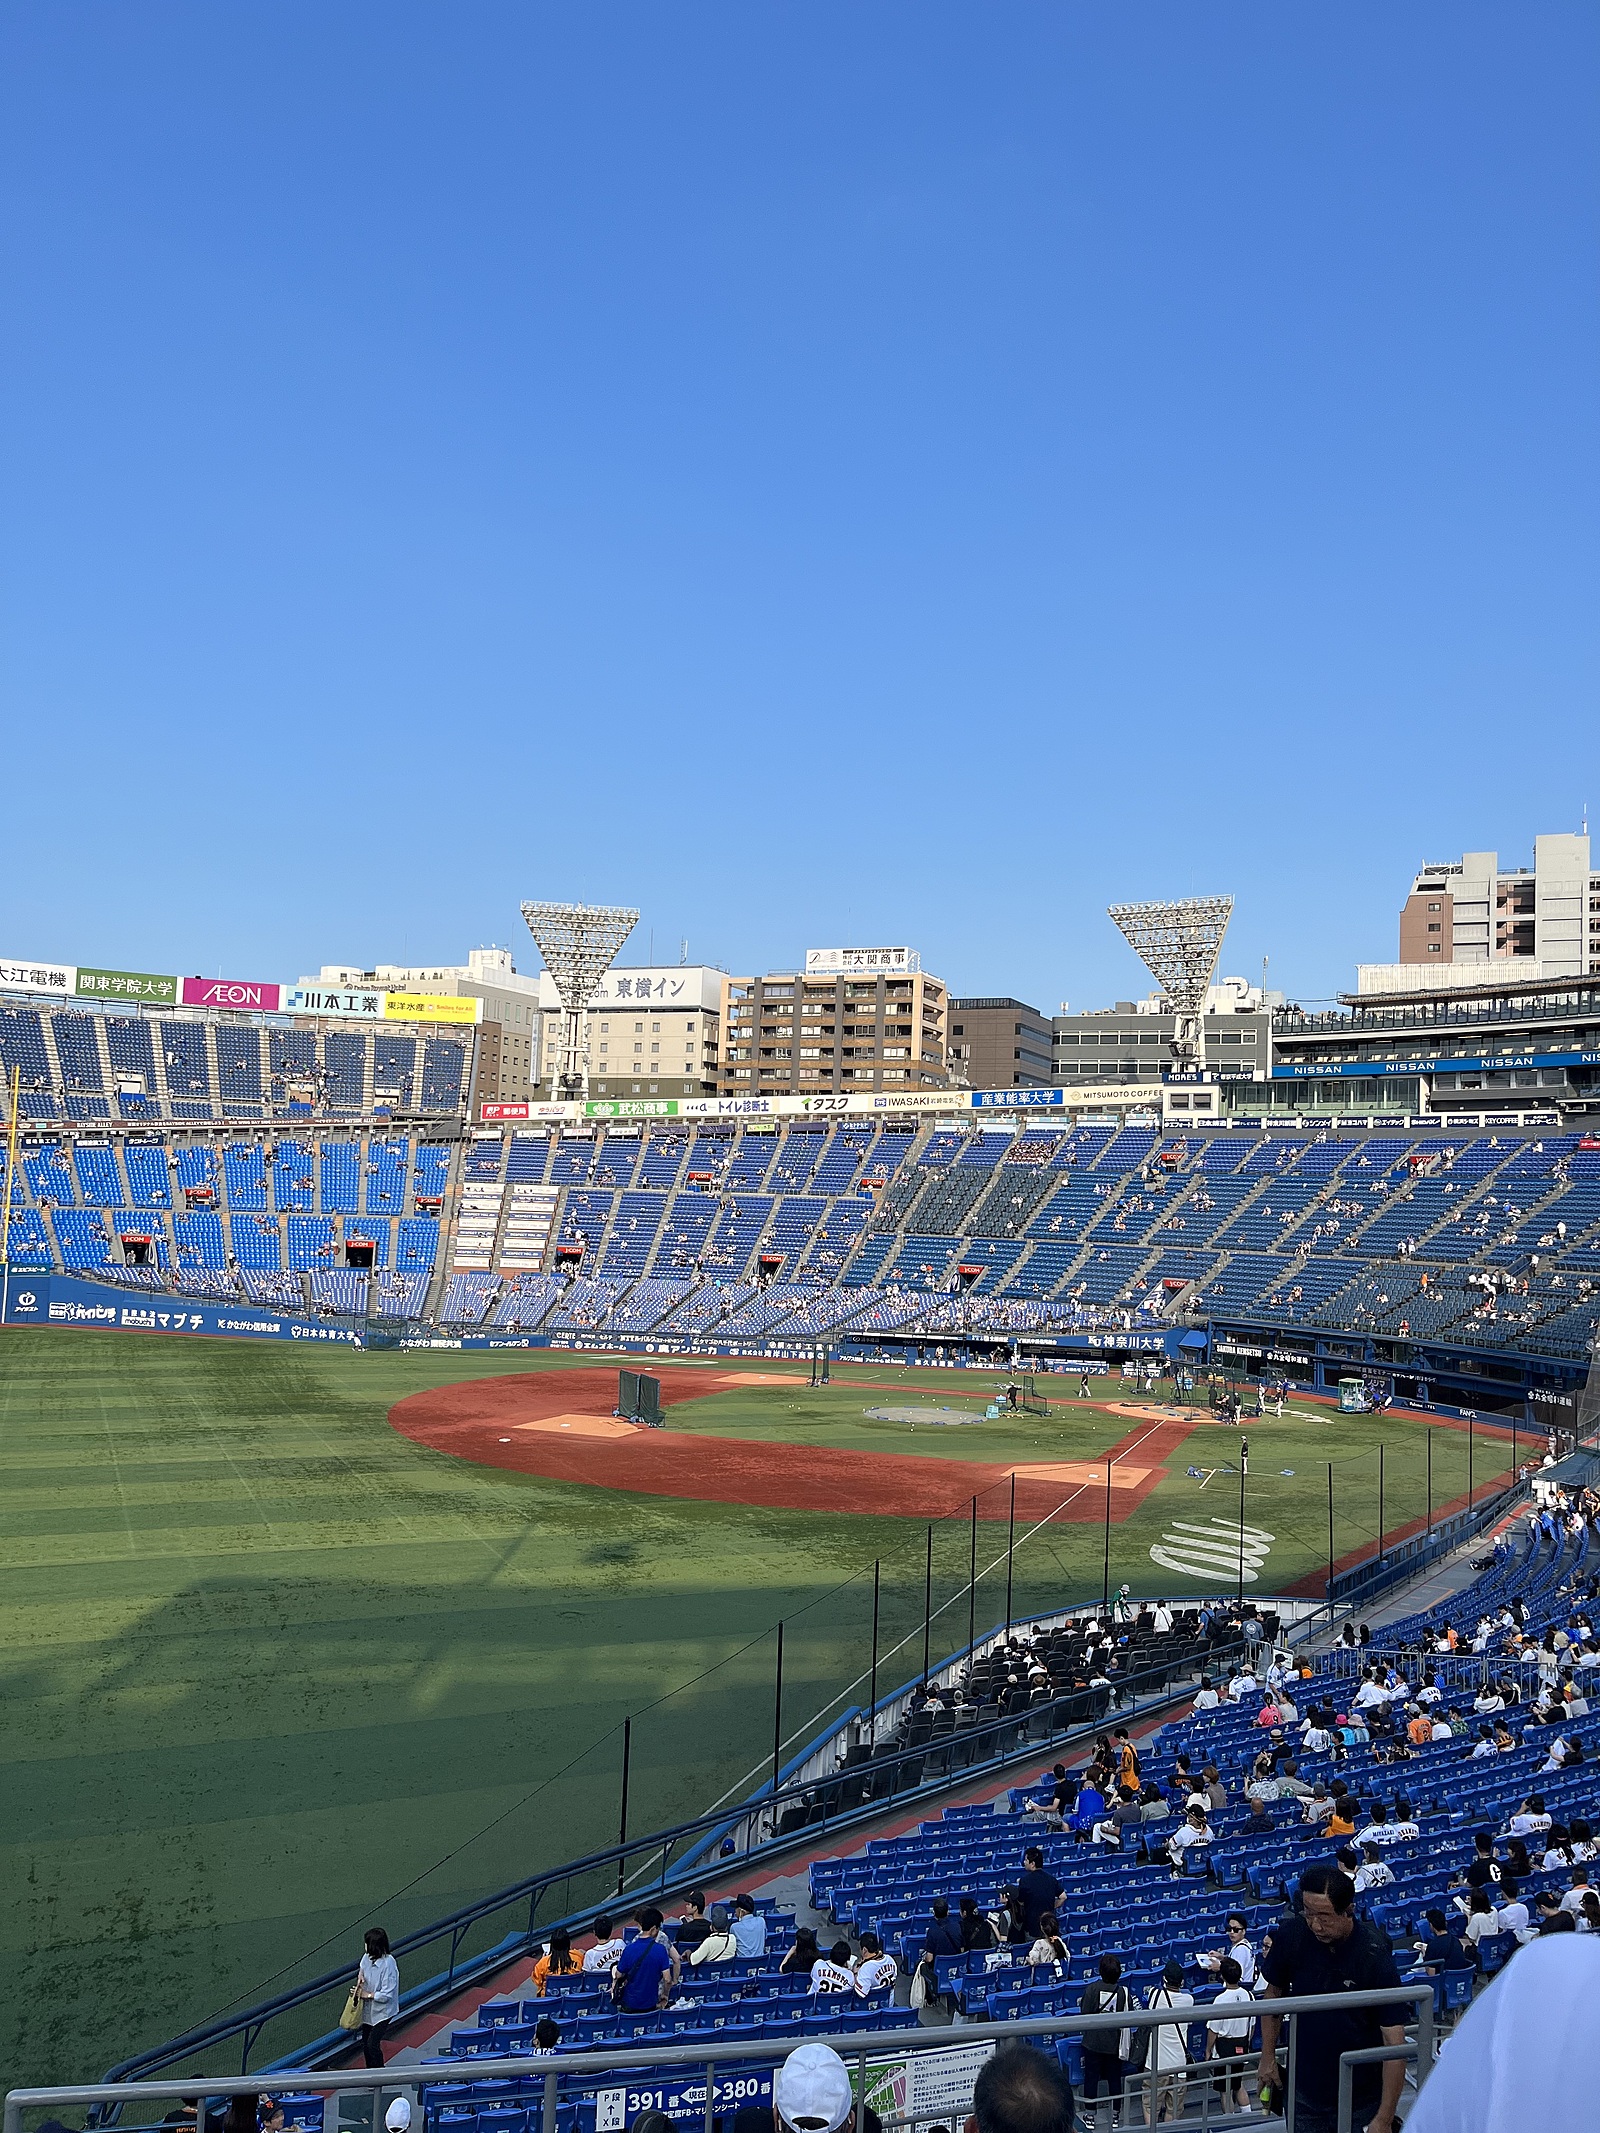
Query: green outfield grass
x,y
273,1671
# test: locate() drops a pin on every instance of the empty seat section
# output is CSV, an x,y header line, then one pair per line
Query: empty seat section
x,y
99,1184
633,1234
238,1064
394,1070
199,1240
131,1051
527,1158
293,1180
244,1174
417,1243
735,1237
146,1165
340,1163
387,1161
81,1236
187,1064
443,1066
646,1304
344,1067
78,1050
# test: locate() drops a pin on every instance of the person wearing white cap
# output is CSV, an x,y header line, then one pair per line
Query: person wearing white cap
x,y
811,2092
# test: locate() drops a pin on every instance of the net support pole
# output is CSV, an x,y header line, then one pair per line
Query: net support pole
x,y
927,1604
1430,1484
972,1583
872,1679
622,1820
777,1727
1330,1544
1380,1503
1105,1582
1011,1548
1241,1529
1471,1418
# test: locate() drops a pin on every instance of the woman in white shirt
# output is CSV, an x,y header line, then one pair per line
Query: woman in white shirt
x,y
1050,1947
1238,1951
378,1991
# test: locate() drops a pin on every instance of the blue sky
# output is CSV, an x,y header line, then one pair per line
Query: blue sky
x,y
819,472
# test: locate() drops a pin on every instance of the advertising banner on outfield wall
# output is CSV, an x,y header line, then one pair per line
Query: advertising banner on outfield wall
x,y
253,995
349,1006
58,1300
26,974
126,985
947,1103
431,1007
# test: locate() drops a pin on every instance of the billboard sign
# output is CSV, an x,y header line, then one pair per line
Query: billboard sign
x,y
431,1007
126,985
862,962
358,1004
28,974
250,995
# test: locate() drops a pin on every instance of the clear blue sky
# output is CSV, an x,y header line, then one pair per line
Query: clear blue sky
x,y
822,473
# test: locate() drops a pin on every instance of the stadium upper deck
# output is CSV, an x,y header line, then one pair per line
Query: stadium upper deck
x,y
78,1065
1364,1246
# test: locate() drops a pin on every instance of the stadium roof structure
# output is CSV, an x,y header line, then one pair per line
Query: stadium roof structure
x,y
579,943
1179,944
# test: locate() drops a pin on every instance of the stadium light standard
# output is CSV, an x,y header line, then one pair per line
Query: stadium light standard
x,y
579,943
1179,944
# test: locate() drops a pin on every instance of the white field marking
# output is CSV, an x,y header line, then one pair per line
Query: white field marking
x,y
1218,1550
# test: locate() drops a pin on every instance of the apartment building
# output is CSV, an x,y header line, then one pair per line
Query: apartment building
x,y
851,1019
999,1043
1543,920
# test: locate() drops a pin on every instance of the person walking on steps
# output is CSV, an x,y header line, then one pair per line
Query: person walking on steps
x,y
378,1990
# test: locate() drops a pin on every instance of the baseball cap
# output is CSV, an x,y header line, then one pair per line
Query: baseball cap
x,y
398,2116
812,2090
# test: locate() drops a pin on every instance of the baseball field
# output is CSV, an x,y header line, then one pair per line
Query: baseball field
x,y
297,1639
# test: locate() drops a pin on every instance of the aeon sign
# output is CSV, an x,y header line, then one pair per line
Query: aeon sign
x,y
246,993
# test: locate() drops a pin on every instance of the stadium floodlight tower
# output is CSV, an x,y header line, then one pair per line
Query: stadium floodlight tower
x,y
1179,944
579,943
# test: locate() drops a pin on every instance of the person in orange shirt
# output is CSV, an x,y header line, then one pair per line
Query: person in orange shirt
x,y
1341,1823
557,1960
1420,1731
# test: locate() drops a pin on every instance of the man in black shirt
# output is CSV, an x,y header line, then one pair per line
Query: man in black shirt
x,y
1040,1890
1328,1949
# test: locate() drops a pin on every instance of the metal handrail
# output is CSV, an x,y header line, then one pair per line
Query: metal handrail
x,y
613,1860
860,2045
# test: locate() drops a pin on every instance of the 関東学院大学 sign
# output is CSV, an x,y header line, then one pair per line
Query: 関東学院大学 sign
x,y
127,985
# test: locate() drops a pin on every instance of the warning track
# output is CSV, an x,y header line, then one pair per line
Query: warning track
x,y
558,1424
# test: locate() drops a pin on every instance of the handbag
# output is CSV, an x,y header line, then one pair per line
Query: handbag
x,y
351,2017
